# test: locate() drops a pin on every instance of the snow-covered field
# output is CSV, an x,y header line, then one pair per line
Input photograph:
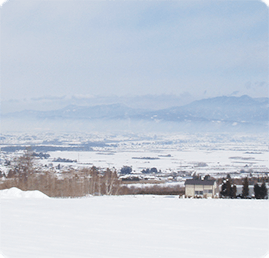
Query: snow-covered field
x,y
200,153
132,226
217,161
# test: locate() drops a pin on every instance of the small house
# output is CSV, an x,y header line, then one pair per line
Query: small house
x,y
200,188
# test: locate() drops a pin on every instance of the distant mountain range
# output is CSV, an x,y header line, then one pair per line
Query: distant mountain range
x,y
230,109
112,111
223,109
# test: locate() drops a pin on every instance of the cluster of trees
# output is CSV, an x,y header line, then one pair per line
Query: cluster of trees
x,y
128,170
229,190
74,183
149,171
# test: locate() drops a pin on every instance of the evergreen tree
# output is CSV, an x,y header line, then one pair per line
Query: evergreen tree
x,y
233,192
263,191
226,188
223,191
257,191
126,170
245,190
229,188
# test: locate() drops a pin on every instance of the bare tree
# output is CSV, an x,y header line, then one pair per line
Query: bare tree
x,y
111,182
22,169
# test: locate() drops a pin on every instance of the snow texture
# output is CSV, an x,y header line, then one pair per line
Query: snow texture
x,y
17,193
133,226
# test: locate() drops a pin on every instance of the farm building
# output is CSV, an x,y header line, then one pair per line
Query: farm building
x,y
201,188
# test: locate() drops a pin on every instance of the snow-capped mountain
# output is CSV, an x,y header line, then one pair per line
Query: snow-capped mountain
x,y
223,110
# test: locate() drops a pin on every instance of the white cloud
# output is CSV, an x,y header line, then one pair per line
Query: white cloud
x,y
2,2
266,2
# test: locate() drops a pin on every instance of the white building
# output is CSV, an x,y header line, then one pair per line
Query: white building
x,y
200,188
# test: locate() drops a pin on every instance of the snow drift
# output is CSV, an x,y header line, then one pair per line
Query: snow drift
x,y
17,193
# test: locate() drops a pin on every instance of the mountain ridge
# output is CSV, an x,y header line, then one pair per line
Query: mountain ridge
x,y
224,108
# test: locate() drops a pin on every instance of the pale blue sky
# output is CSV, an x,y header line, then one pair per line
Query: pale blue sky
x,y
65,48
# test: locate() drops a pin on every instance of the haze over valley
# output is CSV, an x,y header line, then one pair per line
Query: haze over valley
x,y
134,129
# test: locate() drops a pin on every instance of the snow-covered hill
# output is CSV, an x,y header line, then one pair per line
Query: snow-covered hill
x,y
134,226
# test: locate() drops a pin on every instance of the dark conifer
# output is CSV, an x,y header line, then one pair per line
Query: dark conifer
x,y
233,192
245,190
229,188
263,191
223,191
257,191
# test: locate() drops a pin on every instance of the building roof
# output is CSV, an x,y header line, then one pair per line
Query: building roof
x,y
199,182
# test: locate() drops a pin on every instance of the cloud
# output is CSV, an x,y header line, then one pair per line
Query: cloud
x,y
86,48
2,2
266,2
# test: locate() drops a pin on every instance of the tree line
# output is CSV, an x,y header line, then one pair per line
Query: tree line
x,y
72,183
229,189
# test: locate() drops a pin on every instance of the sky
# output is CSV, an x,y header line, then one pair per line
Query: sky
x,y
102,48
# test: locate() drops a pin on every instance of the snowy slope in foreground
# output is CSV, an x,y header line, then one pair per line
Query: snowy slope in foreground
x,y
17,193
134,226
